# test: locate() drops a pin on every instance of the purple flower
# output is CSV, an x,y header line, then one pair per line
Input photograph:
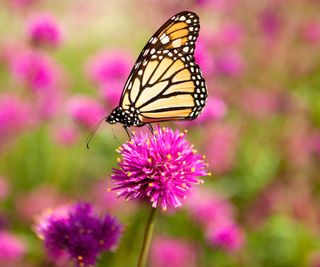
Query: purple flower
x,y
270,23
160,168
228,236
43,30
85,111
12,248
172,252
80,234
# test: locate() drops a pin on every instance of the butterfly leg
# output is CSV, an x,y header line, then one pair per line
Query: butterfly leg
x,y
129,132
150,128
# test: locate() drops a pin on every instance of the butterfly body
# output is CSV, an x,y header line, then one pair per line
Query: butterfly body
x,y
165,84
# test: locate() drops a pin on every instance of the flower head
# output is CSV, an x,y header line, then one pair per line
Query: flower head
x,y
85,111
161,168
43,30
77,232
172,252
12,248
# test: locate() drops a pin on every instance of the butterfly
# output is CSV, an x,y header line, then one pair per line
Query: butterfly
x,y
165,83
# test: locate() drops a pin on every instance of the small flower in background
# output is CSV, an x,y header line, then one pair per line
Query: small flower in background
x,y
23,3
172,252
204,58
65,136
34,70
311,32
228,236
161,168
209,208
270,23
43,30
221,147
261,104
230,63
85,111
109,65
111,92
215,109
4,188
12,249
230,34
41,198
78,233
218,5
14,116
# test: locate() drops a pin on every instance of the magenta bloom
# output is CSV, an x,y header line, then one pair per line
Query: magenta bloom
x,y
209,208
85,111
34,70
160,168
12,248
311,32
79,233
204,58
109,65
230,63
227,236
14,116
43,30
172,252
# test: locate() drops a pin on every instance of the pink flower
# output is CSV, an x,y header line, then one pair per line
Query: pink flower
x,y
85,111
37,201
228,236
34,70
209,208
161,169
270,24
43,30
65,136
204,58
221,148
14,116
230,63
12,248
111,92
261,103
110,65
229,34
311,32
172,252
219,5
22,3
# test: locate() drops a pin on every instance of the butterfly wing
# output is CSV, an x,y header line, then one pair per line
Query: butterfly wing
x,y
166,83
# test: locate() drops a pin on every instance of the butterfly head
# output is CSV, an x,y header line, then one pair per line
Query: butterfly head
x,y
126,117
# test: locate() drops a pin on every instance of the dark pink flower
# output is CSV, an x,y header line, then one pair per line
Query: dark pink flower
x,y
111,92
12,248
229,34
85,111
204,58
43,30
172,252
270,23
161,168
228,236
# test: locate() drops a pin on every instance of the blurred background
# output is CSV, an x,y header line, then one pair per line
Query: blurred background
x,y
63,65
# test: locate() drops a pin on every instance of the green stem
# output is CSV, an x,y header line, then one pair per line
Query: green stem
x,y
147,239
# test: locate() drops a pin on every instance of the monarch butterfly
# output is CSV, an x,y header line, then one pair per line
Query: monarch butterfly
x,y
165,83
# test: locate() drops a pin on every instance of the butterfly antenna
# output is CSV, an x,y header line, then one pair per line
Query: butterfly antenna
x,y
93,131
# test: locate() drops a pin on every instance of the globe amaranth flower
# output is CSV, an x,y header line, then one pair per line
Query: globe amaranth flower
x,y
160,168
76,232
43,30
